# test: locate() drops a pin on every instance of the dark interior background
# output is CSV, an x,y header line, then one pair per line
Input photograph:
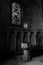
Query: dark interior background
x,y
32,12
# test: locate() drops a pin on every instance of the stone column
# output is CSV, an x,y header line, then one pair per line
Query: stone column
x,y
28,37
7,38
22,36
15,33
42,37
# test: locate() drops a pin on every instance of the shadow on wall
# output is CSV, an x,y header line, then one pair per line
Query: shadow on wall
x,y
5,11
37,18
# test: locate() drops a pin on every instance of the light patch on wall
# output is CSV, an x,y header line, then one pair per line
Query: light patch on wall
x,y
16,13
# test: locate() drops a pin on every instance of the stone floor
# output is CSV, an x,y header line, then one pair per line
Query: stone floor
x,y
35,61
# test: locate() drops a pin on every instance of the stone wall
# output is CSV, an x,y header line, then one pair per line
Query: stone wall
x,y
32,11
